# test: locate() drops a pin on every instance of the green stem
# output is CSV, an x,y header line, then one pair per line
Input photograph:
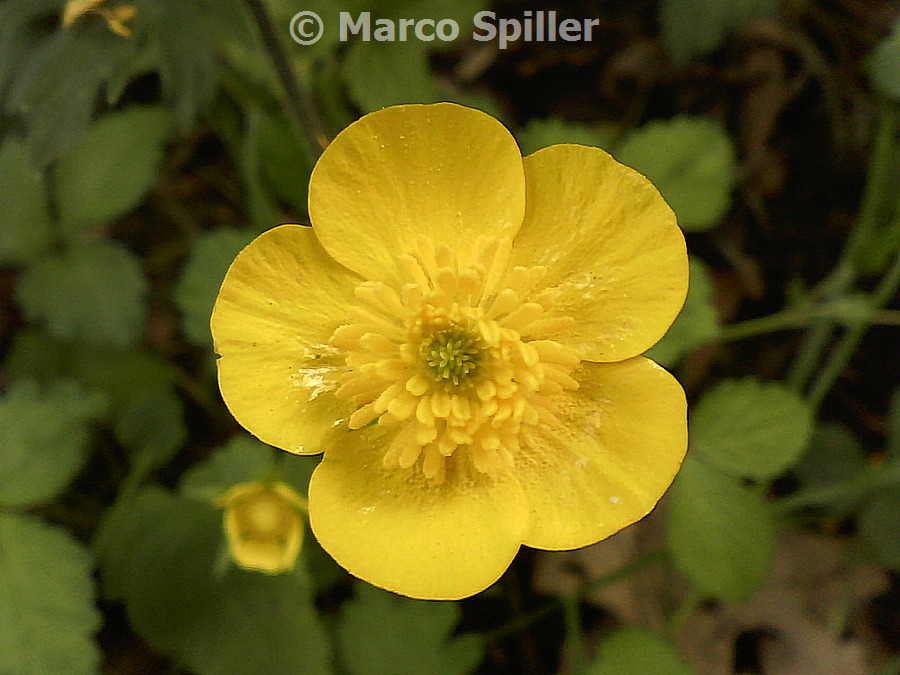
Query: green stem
x,y
578,655
522,621
299,99
625,571
793,319
687,607
841,354
836,284
772,323
878,186
861,484
840,281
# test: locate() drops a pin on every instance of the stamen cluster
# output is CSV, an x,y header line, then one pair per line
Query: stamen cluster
x,y
456,357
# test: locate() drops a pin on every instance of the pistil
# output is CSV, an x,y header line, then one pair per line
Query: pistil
x,y
452,355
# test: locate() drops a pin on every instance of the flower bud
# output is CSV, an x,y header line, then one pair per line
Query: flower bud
x,y
263,525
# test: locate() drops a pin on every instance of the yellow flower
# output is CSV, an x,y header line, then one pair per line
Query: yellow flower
x,y
460,332
263,525
115,17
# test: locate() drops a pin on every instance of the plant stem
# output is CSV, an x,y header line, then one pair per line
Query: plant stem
x,y
838,358
299,99
792,319
577,651
841,280
524,620
682,613
861,484
880,185
835,284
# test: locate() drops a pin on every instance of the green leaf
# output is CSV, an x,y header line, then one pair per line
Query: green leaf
x,y
833,455
23,24
693,27
721,534
879,528
123,376
540,133
158,554
245,459
151,426
111,168
181,32
25,225
750,428
198,285
637,650
187,65
147,413
35,355
691,162
56,89
698,322
260,204
148,416
883,62
229,20
283,161
379,74
382,634
241,460
92,292
44,439
47,613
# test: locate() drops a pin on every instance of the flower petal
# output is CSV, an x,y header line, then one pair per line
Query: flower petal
x,y
400,531
280,301
614,253
444,171
622,437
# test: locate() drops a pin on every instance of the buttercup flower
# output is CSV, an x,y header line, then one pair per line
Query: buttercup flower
x,y
263,525
460,332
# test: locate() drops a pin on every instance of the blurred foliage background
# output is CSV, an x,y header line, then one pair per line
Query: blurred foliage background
x,y
143,144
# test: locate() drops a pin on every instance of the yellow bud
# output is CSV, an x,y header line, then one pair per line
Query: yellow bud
x,y
263,525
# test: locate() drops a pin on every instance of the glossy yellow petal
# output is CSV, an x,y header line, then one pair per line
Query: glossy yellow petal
x,y
444,171
279,303
398,530
622,437
615,257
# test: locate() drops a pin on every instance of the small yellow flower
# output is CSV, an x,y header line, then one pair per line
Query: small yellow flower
x,y
460,332
115,17
263,525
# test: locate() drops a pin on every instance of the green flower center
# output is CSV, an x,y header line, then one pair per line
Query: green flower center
x,y
452,355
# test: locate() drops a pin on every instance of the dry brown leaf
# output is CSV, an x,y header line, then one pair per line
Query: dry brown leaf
x,y
812,588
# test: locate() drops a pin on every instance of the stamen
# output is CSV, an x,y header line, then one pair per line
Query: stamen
x,y
447,361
